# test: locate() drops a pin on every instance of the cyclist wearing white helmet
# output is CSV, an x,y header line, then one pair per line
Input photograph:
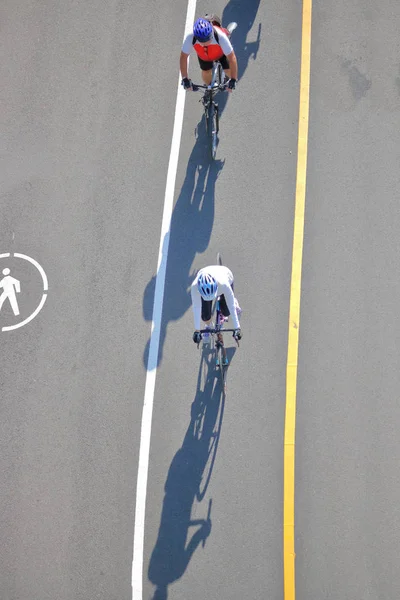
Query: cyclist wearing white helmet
x,y
211,282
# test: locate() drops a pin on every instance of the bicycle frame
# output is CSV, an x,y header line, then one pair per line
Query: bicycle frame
x,y
211,112
217,333
216,81
210,106
215,86
221,361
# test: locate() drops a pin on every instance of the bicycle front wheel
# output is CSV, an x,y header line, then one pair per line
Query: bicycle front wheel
x,y
221,365
221,74
213,123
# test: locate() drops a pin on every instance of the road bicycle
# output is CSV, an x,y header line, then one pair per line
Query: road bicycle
x,y
213,338
211,111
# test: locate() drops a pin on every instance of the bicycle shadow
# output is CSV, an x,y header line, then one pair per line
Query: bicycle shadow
x,y
187,480
191,226
193,215
244,14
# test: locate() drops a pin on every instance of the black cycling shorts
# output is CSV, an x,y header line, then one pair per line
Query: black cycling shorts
x,y
206,308
205,65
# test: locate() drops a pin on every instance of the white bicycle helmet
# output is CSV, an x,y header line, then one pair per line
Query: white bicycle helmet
x,y
207,286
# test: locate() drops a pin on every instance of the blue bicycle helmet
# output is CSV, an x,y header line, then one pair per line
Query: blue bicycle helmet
x,y
202,30
207,286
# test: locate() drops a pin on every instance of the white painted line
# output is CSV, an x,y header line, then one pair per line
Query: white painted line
x,y
147,414
38,266
6,255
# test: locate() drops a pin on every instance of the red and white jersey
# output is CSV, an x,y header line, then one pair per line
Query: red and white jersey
x,y
213,51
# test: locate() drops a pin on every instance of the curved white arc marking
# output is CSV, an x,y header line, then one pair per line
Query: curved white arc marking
x,y
32,316
38,266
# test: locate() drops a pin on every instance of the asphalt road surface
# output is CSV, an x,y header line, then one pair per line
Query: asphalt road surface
x,y
87,106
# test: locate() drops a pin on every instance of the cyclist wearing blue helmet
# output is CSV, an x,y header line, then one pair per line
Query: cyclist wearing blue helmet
x,y
211,43
202,30
211,282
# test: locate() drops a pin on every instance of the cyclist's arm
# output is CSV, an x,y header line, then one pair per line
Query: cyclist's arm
x,y
183,64
233,64
196,305
229,52
186,49
230,301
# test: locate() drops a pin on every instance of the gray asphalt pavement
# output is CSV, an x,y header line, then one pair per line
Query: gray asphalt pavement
x,y
241,206
347,493
87,106
85,146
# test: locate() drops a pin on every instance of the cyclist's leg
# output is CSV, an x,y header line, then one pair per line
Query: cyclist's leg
x,y
223,306
206,70
237,306
206,309
225,65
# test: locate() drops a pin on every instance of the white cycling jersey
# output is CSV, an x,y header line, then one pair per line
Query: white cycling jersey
x,y
223,41
224,278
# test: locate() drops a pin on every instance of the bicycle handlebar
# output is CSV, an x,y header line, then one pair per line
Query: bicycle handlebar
x,y
216,330
217,86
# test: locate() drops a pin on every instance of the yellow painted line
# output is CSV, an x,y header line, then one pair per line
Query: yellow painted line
x,y
294,311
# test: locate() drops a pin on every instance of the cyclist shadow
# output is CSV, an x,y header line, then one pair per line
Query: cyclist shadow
x,y
190,232
244,14
187,481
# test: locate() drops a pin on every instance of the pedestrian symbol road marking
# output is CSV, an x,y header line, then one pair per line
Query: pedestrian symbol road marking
x,y
11,286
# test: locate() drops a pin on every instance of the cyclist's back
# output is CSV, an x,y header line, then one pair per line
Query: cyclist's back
x,y
211,43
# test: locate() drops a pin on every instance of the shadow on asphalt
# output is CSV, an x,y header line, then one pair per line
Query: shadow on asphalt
x,y
244,14
187,481
191,227
193,215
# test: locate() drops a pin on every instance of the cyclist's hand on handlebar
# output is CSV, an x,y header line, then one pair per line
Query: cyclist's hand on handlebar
x,y
197,337
231,84
237,334
187,83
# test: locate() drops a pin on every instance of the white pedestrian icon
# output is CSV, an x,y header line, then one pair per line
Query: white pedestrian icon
x,y
11,287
